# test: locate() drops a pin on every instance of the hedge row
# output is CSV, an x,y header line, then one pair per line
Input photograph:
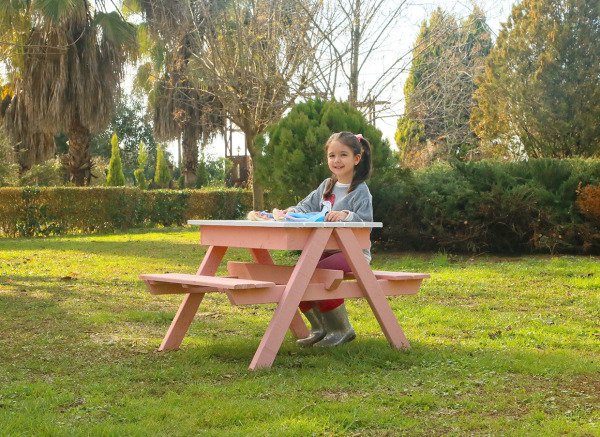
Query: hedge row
x,y
534,206
540,205
32,211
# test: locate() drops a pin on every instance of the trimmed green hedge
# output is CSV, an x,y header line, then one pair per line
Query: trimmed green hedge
x,y
33,211
543,205
489,206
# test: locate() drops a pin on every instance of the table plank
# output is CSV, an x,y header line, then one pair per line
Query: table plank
x,y
218,282
283,224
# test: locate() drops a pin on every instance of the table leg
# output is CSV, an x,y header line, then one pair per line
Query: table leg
x,y
188,308
261,256
292,295
370,287
297,327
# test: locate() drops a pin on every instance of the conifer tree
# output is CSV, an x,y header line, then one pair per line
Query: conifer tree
x,y
540,92
115,177
438,91
140,177
293,161
162,176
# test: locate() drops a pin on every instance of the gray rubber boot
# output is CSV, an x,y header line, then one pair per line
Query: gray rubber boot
x,y
317,331
338,328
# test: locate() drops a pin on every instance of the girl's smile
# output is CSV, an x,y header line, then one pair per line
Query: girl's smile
x,y
341,161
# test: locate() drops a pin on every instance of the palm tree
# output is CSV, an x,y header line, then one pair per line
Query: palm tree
x,y
65,60
179,107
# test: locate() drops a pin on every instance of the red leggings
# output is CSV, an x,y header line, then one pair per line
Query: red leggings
x,y
335,261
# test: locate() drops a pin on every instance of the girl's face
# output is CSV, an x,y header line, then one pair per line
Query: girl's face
x,y
341,161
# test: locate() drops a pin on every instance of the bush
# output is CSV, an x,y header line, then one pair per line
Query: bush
x,y
34,211
46,174
588,202
293,162
487,206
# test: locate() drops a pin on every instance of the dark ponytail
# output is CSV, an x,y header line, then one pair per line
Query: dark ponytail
x,y
359,145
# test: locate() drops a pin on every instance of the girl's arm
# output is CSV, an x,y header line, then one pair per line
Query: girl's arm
x,y
312,202
363,212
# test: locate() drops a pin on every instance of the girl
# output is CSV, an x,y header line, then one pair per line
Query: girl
x,y
349,159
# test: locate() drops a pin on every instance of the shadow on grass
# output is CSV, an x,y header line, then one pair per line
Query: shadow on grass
x,y
119,232
367,356
226,335
163,250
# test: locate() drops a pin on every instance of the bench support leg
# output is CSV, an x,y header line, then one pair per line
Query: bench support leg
x,y
292,295
297,327
188,308
370,287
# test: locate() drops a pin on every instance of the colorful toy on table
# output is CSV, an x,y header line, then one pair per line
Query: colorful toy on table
x,y
259,216
283,215
310,216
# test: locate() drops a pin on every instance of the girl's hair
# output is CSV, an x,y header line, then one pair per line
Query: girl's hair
x,y
358,145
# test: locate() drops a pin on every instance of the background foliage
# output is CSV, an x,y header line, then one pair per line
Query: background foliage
x,y
132,127
489,206
540,93
541,205
438,92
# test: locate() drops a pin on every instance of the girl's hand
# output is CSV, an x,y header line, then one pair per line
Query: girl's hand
x,y
336,216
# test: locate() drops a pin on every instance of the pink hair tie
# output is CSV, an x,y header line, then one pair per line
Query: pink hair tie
x,y
359,137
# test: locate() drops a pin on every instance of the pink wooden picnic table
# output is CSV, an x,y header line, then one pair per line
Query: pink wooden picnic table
x,y
285,286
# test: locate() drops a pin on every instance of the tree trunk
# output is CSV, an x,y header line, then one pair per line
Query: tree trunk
x,y
190,155
78,159
258,202
355,36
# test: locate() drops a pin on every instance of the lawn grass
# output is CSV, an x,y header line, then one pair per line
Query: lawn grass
x,y
500,346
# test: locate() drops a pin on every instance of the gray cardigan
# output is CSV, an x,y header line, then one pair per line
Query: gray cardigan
x,y
358,203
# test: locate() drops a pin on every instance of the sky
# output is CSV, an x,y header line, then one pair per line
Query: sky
x,y
399,41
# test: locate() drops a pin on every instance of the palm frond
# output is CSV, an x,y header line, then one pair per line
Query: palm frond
x,y
55,10
144,78
131,7
116,30
144,41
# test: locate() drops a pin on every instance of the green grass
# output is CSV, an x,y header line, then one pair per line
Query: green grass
x,y
500,346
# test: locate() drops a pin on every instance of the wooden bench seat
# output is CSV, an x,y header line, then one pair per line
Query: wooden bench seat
x,y
175,283
248,285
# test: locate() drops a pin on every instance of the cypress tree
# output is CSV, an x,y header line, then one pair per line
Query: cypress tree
x,y
140,177
162,176
115,177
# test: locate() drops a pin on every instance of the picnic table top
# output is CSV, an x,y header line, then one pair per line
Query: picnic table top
x,y
284,224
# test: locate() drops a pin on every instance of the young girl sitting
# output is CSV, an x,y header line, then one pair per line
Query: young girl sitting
x,y
349,159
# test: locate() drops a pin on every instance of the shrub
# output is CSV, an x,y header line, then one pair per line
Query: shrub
x,y
33,211
140,177
293,163
588,202
115,177
487,206
47,174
